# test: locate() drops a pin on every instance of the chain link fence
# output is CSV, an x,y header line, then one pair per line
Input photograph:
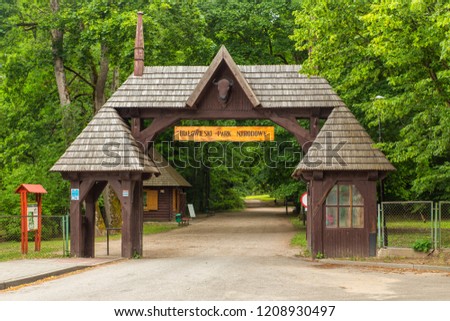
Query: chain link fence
x,y
401,224
444,224
54,237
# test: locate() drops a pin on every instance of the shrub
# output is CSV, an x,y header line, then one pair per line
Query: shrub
x,y
422,245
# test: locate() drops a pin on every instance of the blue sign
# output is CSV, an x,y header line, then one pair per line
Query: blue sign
x,y
75,194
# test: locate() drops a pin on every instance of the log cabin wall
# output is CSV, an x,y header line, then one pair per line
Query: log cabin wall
x,y
163,210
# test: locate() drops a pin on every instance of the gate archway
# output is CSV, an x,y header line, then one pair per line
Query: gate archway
x,y
166,95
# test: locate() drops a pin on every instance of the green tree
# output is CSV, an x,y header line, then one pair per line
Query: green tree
x,y
398,50
255,32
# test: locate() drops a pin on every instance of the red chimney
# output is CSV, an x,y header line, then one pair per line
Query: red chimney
x,y
139,47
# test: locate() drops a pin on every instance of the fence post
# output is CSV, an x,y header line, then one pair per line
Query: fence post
x,y
383,227
65,228
437,225
379,224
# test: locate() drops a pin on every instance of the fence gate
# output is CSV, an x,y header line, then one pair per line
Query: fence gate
x,y
403,223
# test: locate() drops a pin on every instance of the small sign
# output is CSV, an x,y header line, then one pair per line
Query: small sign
x,y
32,217
224,133
191,210
125,193
304,199
75,194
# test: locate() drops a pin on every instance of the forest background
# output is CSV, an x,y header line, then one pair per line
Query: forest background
x,y
60,60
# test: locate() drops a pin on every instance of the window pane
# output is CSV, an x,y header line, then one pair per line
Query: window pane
x,y
331,217
344,217
358,217
332,196
344,194
357,198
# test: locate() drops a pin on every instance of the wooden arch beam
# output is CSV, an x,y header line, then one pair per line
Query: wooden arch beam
x,y
157,126
303,137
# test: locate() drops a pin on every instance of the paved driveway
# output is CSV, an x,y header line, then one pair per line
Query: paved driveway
x,y
234,256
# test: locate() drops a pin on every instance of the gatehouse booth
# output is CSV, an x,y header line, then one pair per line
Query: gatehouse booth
x,y
114,146
342,169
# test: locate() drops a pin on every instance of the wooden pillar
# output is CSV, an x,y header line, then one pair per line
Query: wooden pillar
x,y
138,217
76,224
309,211
136,126
38,233
89,226
316,217
370,206
23,220
128,227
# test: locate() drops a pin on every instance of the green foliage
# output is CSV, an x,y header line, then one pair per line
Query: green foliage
x,y
398,50
255,32
422,246
300,237
320,255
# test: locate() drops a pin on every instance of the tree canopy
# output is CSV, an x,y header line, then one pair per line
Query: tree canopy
x,y
397,51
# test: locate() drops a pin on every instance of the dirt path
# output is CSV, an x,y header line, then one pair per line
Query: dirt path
x,y
252,232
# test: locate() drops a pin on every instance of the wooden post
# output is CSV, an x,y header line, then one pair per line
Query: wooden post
x,y
127,218
89,226
76,224
138,217
23,213
316,218
37,236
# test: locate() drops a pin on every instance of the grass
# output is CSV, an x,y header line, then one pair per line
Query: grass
x,y
49,249
157,227
299,239
262,197
54,248
404,233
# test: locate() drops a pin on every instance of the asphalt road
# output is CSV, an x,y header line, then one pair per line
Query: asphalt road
x,y
234,256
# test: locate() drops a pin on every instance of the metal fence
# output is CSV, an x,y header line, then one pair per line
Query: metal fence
x,y
402,224
443,235
54,236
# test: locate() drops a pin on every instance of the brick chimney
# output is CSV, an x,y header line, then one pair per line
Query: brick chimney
x,y
139,47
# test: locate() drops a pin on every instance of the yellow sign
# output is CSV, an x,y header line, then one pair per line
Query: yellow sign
x,y
224,133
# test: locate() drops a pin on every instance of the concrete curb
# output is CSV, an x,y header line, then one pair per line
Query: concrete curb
x,y
17,281
410,266
30,279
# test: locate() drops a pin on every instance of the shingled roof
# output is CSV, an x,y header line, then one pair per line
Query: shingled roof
x,y
106,144
343,145
273,86
169,176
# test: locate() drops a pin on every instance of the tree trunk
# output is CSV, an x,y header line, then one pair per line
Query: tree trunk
x,y
102,76
58,63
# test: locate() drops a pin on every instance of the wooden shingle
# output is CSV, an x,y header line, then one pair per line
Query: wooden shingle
x,y
343,145
105,145
169,176
274,86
